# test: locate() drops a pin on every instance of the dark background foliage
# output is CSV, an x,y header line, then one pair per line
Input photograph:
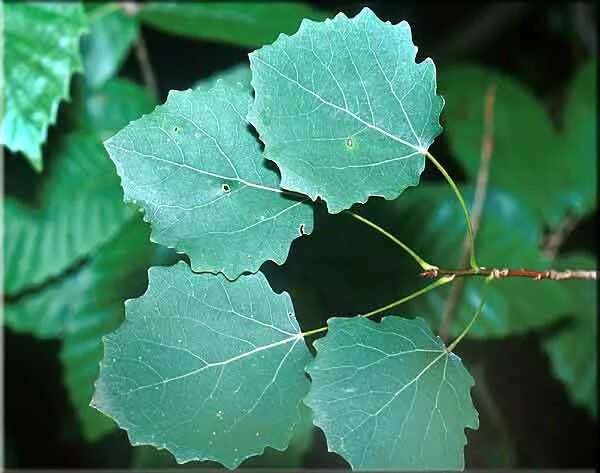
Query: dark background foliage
x,y
526,417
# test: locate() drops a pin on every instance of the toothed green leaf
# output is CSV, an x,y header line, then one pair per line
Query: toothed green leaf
x,y
389,396
41,52
344,110
145,457
206,368
238,74
199,174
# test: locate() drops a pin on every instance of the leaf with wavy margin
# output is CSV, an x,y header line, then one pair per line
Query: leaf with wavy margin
x,y
199,174
206,368
389,396
344,110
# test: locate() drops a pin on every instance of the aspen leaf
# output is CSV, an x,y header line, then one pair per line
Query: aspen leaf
x,y
389,395
199,174
344,110
206,368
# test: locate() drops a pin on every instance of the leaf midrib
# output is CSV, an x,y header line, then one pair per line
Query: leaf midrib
x,y
342,109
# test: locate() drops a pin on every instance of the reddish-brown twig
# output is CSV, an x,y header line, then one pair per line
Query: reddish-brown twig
x,y
501,273
554,240
141,53
487,147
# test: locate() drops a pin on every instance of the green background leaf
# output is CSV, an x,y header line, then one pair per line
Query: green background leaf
x,y
200,176
344,110
389,396
429,220
580,128
41,52
239,73
99,289
508,237
528,150
82,306
246,24
80,209
204,367
106,46
572,351
100,113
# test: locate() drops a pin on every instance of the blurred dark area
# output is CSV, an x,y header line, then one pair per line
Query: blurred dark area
x,y
526,418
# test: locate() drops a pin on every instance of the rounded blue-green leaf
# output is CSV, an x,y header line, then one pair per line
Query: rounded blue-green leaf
x,y
238,74
198,172
344,110
390,396
206,368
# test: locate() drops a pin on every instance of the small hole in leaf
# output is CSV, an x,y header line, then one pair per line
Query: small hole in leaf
x,y
225,187
349,142
301,229
176,129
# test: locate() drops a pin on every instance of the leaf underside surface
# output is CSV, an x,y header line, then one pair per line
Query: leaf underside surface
x,y
389,395
145,457
41,52
344,110
206,368
199,174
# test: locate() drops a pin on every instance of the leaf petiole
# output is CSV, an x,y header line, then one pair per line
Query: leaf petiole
x,y
466,330
104,10
414,295
437,283
420,261
461,201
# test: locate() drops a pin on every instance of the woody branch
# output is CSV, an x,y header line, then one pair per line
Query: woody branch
x,y
501,273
